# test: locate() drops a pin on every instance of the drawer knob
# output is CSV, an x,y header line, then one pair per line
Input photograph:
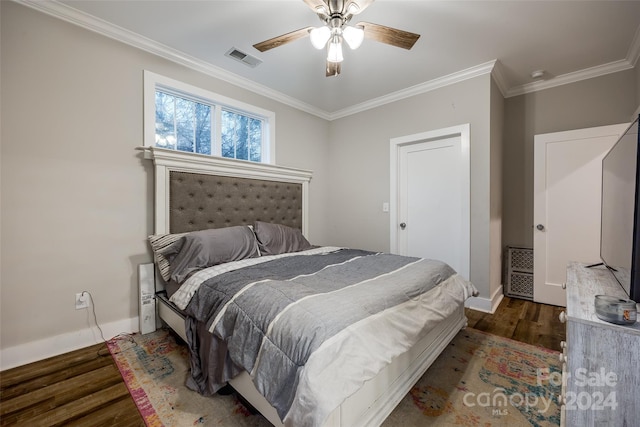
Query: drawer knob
x,y
562,317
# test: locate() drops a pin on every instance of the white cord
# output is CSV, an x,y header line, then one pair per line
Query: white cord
x,y
95,318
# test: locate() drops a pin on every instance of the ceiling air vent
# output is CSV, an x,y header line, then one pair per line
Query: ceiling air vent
x,y
246,59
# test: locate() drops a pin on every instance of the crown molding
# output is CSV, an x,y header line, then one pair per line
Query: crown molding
x,y
634,49
91,23
498,77
418,89
588,73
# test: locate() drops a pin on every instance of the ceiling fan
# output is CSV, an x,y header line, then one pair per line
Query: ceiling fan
x,y
336,14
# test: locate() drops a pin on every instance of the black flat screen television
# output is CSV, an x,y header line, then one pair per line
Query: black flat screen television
x,y
620,227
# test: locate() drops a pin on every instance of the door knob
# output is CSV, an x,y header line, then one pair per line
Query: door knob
x,y
403,225
540,227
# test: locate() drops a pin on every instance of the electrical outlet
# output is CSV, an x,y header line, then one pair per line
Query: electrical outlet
x,y
82,300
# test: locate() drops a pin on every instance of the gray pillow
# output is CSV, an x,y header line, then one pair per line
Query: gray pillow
x,y
206,248
274,239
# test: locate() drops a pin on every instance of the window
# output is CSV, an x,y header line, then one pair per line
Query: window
x,y
185,118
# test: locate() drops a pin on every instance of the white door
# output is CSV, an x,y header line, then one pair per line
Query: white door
x,y
567,186
431,214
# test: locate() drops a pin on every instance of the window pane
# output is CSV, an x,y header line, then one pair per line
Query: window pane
x,y
228,143
185,121
165,129
203,129
255,140
240,136
182,124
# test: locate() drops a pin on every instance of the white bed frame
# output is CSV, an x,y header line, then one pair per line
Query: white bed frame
x,y
377,398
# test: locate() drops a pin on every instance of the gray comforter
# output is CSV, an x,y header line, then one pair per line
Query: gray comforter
x,y
269,318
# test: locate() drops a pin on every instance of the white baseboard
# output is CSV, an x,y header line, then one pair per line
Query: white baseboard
x,y
487,305
34,351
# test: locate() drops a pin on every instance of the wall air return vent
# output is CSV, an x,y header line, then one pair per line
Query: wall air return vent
x,y
246,59
518,282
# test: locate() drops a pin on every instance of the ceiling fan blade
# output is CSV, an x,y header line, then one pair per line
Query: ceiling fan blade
x,y
280,40
388,35
333,68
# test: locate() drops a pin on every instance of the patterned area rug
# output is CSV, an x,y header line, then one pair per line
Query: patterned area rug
x,y
484,380
479,380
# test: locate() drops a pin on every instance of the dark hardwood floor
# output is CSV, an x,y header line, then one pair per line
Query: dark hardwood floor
x,y
520,320
84,387
80,388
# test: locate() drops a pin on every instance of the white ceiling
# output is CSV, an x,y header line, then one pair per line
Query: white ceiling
x,y
571,40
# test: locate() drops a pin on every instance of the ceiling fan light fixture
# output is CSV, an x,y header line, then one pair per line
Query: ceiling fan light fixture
x,y
322,11
320,36
335,50
353,36
353,8
335,16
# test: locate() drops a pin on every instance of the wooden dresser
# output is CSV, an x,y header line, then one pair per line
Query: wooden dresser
x,y
601,377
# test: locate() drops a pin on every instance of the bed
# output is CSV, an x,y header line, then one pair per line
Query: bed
x,y
264,321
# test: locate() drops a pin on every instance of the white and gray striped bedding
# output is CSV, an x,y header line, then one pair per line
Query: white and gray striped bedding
x,y
311,327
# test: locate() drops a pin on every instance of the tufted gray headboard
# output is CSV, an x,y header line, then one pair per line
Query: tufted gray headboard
x,y
200,201
196,192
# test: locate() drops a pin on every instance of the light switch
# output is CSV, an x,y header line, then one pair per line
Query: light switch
x,y
385,207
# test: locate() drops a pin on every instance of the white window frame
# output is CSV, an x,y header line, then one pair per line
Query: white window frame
x,y
153,82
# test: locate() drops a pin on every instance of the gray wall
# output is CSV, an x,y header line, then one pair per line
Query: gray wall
x,y
605,100
497,142
76,196
637,70
637,85
359,151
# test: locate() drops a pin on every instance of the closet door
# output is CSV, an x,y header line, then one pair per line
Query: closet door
x,y
567,187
